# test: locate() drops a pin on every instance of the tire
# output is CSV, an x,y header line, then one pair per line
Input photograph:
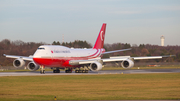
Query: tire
x,y
68,71
86,71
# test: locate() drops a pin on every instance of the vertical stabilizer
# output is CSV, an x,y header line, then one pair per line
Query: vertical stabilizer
x,y
100,39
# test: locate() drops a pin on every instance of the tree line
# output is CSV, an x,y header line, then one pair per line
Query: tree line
x,y
21,48
75,44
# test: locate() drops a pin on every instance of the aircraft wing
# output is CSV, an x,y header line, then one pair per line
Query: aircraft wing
x,y
23,57
141,58
81,62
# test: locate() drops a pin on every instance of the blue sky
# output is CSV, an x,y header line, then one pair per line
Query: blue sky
x,y
128,21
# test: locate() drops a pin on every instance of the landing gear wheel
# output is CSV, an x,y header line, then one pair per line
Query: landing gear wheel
x,y
56,71
76,71
86,71
68,71
42,71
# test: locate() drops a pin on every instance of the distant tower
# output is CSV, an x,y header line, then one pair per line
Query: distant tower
x,y
162,40
63,38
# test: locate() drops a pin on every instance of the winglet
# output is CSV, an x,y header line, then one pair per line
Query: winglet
x,y
100,39
4,55
169,56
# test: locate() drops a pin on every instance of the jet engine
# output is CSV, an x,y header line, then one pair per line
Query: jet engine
x,y
95,66
32,66
127,64
19,63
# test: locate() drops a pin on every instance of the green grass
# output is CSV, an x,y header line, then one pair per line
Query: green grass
x,y
164,86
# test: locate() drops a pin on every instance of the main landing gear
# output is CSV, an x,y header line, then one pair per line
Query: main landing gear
x,y
68,70
56,70
81,71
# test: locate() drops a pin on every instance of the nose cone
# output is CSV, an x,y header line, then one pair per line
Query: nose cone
x,y
42,56
37,54
36,57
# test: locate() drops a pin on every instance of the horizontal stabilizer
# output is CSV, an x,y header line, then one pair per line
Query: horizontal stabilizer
x,y
116,51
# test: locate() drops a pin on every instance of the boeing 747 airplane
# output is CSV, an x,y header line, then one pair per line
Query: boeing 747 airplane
x,y
60,57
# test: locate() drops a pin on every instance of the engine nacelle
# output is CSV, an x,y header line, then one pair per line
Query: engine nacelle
x,y
95,66
127,64
32,66
19,63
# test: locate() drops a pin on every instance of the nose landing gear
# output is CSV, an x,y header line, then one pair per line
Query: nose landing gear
x,y
42,71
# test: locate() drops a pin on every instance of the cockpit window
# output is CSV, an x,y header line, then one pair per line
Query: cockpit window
x,y
41,48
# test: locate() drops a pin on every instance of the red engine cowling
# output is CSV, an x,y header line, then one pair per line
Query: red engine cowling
x,y
19,63
127,64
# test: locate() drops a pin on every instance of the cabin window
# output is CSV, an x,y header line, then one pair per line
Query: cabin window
x,y
41,48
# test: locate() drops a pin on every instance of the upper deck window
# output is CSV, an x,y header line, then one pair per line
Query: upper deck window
x,y
41,48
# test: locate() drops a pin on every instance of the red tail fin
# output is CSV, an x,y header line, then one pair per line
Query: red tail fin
x,y
100,40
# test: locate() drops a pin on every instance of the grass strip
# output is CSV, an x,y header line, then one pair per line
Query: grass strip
x,y
164,86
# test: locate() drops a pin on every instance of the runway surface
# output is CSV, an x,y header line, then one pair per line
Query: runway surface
x,y
140,71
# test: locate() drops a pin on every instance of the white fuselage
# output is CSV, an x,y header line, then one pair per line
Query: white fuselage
x,y
59,56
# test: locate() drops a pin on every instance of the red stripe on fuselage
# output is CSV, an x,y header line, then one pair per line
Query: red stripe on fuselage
x,y
91,56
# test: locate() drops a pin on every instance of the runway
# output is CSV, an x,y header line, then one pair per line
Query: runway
x,y
140,71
